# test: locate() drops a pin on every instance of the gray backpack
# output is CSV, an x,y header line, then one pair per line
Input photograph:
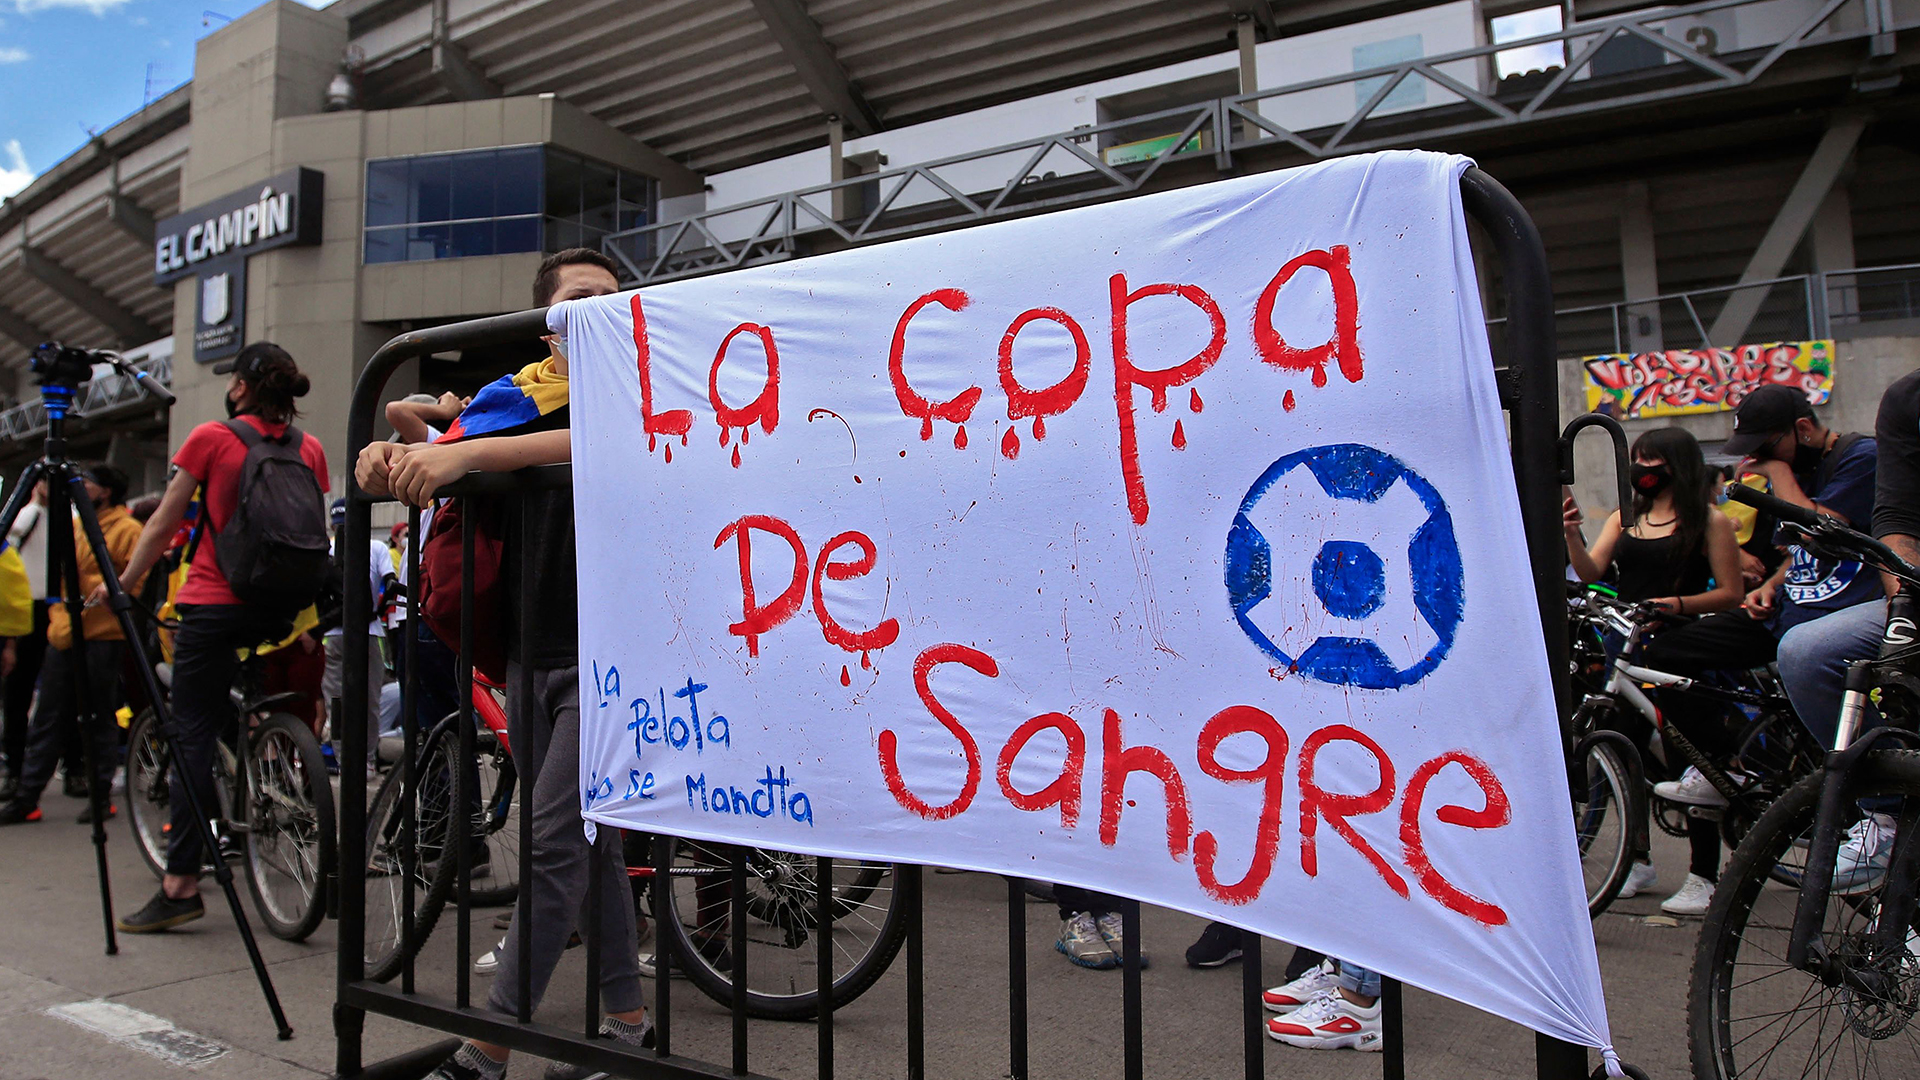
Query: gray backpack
x,y
273,550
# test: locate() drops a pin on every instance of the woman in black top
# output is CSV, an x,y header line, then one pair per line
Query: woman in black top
x,y
1681,554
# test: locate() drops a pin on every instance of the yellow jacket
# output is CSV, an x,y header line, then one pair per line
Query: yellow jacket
x,y
121,532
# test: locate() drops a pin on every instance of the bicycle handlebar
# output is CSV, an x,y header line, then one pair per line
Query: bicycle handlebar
x,y
1824,528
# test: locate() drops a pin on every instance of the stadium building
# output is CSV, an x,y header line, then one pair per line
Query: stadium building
x,y
1712,176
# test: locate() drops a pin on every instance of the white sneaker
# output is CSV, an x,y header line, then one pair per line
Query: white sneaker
x,y
1864,855
490,962
1317,981
1692,899
1330,1022
1639,879
1691,789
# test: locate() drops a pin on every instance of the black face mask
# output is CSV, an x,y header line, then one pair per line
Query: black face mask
x,y
1649,480
233,409
1806,458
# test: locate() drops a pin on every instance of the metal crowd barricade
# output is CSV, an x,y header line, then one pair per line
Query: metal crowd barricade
x,y
1528,391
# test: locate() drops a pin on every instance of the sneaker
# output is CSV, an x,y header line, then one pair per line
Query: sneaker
x,y
1692,789
1330,1022
1113,932
17,812
86,816
1219,944
468,1063
1080,942
74,784
1692,899
489,962
1316,982
503,920
1864,855
162,913
714,949
1639,879
637,1036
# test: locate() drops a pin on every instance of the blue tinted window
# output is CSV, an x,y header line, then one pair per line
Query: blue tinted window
x,y
495,202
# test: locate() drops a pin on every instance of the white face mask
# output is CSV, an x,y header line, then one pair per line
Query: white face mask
x,y
558,342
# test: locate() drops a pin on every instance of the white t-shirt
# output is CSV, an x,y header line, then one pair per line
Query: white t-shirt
x,y
32,525
380,566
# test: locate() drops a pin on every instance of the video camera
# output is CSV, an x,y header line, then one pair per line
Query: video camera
x,y
54,364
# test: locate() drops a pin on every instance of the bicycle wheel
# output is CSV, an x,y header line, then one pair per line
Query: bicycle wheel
x,y
1602,824
387,863
495,832
149,803
290,828
868,928
1750,1015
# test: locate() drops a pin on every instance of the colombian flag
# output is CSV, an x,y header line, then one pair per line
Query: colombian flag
x,y
529,401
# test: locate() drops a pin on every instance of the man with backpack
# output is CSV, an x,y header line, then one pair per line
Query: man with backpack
x,y
518,421
261,557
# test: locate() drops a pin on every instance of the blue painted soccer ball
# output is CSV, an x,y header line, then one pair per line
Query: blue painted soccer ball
x,y
1350,581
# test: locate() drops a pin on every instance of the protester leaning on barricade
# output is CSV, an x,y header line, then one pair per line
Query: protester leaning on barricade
x,y
1814,655
516,422
214,621
1808,465
417,419
1682,556
56,711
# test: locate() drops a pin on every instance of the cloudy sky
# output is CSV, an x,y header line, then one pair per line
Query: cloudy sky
x,y
69,68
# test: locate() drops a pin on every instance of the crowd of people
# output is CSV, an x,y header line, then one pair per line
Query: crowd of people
x,y
1738,600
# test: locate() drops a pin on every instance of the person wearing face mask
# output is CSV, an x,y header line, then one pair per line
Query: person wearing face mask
x,y
214,621
1807,464
1681,555
55,710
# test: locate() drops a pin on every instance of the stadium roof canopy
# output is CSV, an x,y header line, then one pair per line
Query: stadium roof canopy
x,y
723,83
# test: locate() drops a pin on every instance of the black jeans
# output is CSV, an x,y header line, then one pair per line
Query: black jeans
x,y
28,653
204,664
1728,641
1074,899
434,692
54,726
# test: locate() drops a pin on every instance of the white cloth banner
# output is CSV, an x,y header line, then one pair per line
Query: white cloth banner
x,y
1167,547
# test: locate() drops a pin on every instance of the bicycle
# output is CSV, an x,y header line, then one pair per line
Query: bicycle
x,y
439,786
693,916
278,810
1783,976
1611,808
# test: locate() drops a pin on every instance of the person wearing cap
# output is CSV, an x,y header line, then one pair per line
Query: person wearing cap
x,y
381,577
1808,464
214,623
55,711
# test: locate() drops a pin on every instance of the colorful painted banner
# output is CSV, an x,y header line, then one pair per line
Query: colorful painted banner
x,y
1167,547
1644,386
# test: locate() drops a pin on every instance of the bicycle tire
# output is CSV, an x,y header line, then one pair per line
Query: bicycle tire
x,y
1603,827
386,953
286,794
497,823
149,802
789,908
1716,1031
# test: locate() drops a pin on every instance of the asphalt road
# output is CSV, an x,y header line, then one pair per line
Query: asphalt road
x,y
197,979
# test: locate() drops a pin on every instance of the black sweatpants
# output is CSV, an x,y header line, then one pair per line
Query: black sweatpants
x,y
53,728
28,654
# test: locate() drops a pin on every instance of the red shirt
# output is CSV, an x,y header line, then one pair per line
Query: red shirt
x,y
212,455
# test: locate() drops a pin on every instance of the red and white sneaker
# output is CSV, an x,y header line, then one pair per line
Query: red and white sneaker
x,y
1330,1022
1317,981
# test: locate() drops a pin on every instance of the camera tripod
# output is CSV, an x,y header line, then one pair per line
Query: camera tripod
x,y
59,371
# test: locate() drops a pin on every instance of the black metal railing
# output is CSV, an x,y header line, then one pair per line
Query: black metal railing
x,y
1528,392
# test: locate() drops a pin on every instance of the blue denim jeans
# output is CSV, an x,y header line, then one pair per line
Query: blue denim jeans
x,y
1813,663
1355,979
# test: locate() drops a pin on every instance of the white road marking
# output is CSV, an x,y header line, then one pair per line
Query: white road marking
x,y
129,1026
